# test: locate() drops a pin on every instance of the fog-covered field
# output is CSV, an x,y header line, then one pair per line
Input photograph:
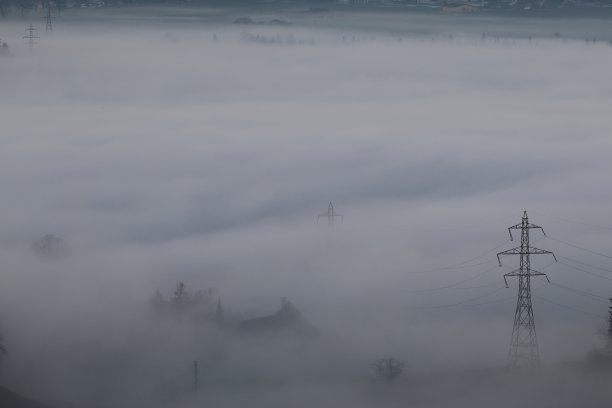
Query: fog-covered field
x,y
171,145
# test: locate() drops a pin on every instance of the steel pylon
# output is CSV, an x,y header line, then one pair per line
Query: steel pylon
x,y
524,343
31,38
49,26
331,214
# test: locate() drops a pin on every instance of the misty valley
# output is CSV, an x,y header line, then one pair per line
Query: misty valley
x,y
305,204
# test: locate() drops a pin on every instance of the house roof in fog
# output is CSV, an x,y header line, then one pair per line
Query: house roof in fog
x,y
287,317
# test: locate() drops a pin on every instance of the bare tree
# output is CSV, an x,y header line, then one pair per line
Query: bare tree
x,y
388,368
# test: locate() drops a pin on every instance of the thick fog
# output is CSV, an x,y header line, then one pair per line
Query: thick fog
x,y
168,149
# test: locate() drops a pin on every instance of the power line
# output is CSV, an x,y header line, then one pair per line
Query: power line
x,y
547,265
586,224
586,264
570,307
476,287
465,301
462,264
580,248
451,267
484,253
474,225
584,293
453,284
585,271
581,292
502,299
491,302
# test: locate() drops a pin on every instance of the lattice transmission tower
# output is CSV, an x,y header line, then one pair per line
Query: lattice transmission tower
x,y
31,36
49,26
331,214
524,344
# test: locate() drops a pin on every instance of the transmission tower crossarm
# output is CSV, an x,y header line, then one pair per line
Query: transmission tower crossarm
x,y
538,251
330,214
31,35
524,251
517,272
526,226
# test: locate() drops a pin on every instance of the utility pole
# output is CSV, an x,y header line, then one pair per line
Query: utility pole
x,y
196,379
49,26
524,343
331,214
31,37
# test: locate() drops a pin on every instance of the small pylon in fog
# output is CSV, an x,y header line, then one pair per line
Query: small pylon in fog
x,y
31,36
331,214
49,26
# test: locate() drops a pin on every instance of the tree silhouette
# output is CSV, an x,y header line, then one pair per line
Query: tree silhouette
x,y
609,342
182,299
2,348
50,246
388,368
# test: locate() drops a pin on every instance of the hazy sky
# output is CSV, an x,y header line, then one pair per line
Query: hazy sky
x,y
164,158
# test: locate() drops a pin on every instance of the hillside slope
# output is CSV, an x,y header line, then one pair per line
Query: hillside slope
x,y
9,399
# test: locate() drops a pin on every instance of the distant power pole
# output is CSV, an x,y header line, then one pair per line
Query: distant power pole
x,y
524,343
49,26
196,379
31,37
331,214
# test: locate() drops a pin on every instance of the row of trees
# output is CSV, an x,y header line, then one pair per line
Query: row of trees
x,y
200,305
24,7
27,6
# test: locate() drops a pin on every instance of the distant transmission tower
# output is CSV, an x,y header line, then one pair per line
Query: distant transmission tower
x,y
31,37
331,214
49,26
524,344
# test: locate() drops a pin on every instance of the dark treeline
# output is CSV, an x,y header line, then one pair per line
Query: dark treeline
x,y
24,7
521,7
